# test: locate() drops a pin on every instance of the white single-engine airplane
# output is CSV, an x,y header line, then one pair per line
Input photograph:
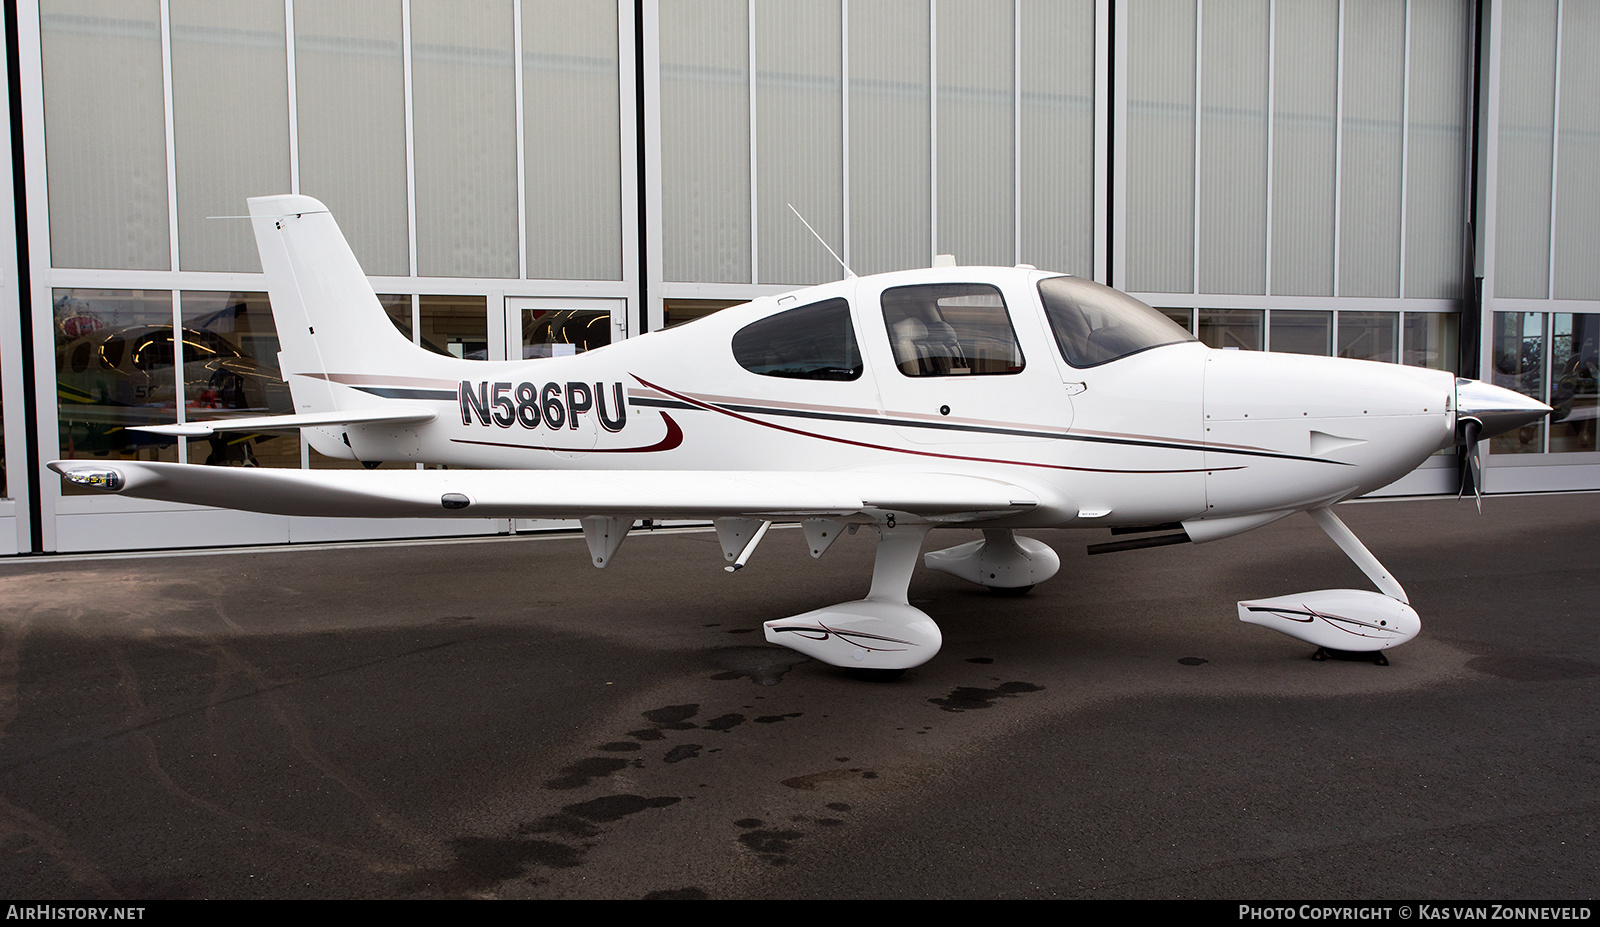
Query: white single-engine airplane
x,y
953,397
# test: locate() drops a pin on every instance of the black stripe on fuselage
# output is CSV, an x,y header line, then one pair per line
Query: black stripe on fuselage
x,y
395,392
979,429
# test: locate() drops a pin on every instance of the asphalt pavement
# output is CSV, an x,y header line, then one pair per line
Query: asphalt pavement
x,y
496,718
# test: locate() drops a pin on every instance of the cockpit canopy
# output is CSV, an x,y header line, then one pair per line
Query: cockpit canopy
x,y
1095,324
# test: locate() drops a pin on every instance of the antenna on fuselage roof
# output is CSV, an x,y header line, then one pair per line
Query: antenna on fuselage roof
x,y
847,271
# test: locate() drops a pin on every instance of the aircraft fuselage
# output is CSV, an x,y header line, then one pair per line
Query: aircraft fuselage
x,y
1167,434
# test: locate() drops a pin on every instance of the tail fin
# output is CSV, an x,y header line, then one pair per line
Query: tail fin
x,y
330,325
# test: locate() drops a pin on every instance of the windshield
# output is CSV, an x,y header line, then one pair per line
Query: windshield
x,y
1095,324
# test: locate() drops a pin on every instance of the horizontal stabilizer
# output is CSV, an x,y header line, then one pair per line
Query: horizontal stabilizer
x,y
554,493
411,415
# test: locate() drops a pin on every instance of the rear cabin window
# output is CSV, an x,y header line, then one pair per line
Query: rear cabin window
x,y
815,342
950,329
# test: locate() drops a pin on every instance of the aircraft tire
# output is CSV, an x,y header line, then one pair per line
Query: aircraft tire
x,y
874,675
1010,592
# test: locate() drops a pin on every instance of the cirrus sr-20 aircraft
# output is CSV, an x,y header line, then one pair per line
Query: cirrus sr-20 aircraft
x,y
996,398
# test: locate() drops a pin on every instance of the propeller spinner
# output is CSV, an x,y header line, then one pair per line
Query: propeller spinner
x,y
1483,411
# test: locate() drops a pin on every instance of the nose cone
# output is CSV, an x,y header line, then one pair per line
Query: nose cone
x,y
1498,409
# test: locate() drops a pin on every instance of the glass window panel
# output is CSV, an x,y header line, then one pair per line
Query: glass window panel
x,y
1306,58
1183,318
398,309
1432,339
230,124
230,369
976,139
705,140
560,332
891,205
1369,195
114,368
457,326
1436,149
1231,328
1297,331
1575,382
572,145
350,105
680,311
1518,359
1233,157
1161,146
105,131
799,121
1057,67
950,329
463,91
815,342
1578,205
1368,335
1094,324
1527,113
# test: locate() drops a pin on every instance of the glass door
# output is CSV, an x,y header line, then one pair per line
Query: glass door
x,y
552,327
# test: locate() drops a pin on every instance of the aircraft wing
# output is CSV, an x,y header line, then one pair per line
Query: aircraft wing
x,y
556,493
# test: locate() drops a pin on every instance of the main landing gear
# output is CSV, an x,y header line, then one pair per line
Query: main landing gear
x,y
880,632
883,635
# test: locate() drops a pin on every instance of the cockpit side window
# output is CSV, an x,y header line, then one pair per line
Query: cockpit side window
x,y
950,329
1095,324
815,342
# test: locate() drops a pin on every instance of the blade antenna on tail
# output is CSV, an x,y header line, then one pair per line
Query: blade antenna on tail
x,y
847,271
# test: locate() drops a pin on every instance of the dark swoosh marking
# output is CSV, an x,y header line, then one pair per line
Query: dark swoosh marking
x,y
1311,615
672,439
900,450
853,637
989,429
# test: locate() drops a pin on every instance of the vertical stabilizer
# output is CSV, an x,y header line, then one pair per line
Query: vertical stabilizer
x,y
328,318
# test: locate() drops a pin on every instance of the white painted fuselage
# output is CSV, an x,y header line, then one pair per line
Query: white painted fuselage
x,y
1170,434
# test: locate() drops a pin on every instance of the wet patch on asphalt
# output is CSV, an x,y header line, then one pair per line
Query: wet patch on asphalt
x,y
765,666
972,698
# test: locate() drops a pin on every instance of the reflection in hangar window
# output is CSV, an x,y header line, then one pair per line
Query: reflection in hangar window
x,y
1431,339
1574,382
1369,336
457,326
815,342
1301,331
398,309
1231,329
560,332
1518,358
680,311
1570,383
230,370
1095,324
950,329
114,368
